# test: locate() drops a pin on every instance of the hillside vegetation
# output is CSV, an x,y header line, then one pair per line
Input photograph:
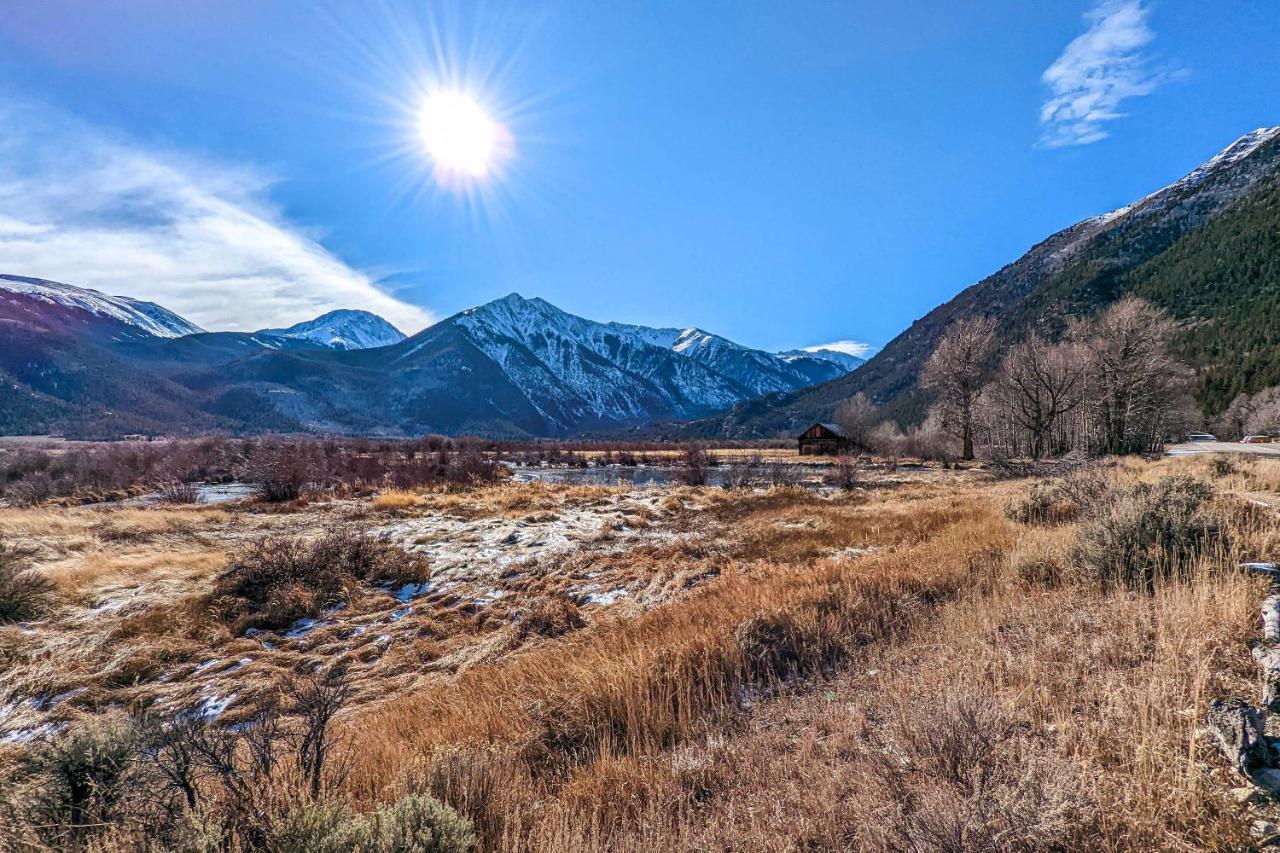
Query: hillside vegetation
x,y
1206,249
924,659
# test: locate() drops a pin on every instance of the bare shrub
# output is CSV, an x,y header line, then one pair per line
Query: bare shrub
x,y
80,782
846,473
1150,531
283,579
24,593
317,699
694,465
181,493
280,473
950,776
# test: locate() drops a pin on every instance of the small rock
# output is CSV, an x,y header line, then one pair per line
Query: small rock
x,y
1267,779
1247,796
1265,831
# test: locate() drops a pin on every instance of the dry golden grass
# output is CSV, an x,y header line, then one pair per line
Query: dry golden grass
x,y
395,499
901,667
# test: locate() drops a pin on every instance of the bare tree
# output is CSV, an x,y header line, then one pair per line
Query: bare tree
x,y
1038,384
857,417
954,373
1138,390
318,699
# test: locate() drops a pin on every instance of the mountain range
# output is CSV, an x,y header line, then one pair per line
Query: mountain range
x,y
78,362
1205,248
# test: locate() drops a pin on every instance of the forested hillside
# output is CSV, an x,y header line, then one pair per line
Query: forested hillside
x,y
1206,249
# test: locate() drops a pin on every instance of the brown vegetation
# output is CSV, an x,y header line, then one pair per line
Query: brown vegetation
x,y
900,665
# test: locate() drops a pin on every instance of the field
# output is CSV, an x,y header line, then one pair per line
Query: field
x,y
928,659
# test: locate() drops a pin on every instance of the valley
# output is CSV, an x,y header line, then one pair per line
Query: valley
x,y
613,667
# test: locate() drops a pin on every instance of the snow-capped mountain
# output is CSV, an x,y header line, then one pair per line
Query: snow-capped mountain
x,y
514,366
579,373
343,329
835,356
146,316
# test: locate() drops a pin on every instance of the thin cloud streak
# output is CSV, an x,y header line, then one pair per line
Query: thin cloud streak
x,y
855,348
200,238
1097,72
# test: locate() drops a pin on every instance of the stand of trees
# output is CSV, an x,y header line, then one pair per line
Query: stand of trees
x,y
1109,386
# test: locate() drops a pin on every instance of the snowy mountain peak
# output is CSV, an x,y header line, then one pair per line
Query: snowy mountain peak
x,y
1233,154
146,316
343,329
844,359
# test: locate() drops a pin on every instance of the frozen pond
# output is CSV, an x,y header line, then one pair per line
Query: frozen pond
x,y
220,493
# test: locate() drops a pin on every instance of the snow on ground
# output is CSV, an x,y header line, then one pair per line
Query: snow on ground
x,y
466,549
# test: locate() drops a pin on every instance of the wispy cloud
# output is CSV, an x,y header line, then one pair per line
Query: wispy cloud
x,y
857,348
1099,70
80,206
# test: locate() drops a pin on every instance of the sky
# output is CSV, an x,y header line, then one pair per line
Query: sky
x,y
784,174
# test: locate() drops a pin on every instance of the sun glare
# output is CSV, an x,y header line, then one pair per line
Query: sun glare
x,y
460,137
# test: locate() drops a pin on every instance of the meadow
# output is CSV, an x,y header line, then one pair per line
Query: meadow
x,y
898,657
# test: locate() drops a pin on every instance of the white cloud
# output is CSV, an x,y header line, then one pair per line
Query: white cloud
x,y
856,348
200,238
1099,70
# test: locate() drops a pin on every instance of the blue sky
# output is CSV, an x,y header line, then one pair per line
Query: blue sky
x,y
785,174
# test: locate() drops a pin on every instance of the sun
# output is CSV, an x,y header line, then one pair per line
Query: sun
x,y
461,138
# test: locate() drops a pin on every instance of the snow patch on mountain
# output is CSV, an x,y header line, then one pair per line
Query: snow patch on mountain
x,y
845,360
147,316
343,329
1229,156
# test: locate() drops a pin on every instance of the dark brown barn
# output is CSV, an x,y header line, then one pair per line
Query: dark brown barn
x,y
824,440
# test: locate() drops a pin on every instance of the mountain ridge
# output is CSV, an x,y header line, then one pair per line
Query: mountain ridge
x,y
513,366
1080,269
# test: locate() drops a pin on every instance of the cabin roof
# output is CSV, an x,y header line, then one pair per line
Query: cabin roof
x,y
832,428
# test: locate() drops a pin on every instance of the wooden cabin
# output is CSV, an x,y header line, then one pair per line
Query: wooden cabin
x,y
824,440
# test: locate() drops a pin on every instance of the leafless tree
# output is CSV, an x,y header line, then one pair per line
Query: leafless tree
x,y
318,699
1138,391
954,373
857,417
1038,384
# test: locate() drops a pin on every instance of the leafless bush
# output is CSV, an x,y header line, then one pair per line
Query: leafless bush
x,y
181,493
277,580
694,464
949,775
846,473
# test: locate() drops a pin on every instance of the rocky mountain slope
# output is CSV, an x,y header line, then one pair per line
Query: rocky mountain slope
x,y
1206,248
514,366
146,317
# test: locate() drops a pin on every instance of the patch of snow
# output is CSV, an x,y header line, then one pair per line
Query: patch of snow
x,y
605,599
304,626
213,705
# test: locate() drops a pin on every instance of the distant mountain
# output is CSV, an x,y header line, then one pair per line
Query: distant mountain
x,y
145,316
569,374
343,329
1205,248
514,366
846,361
